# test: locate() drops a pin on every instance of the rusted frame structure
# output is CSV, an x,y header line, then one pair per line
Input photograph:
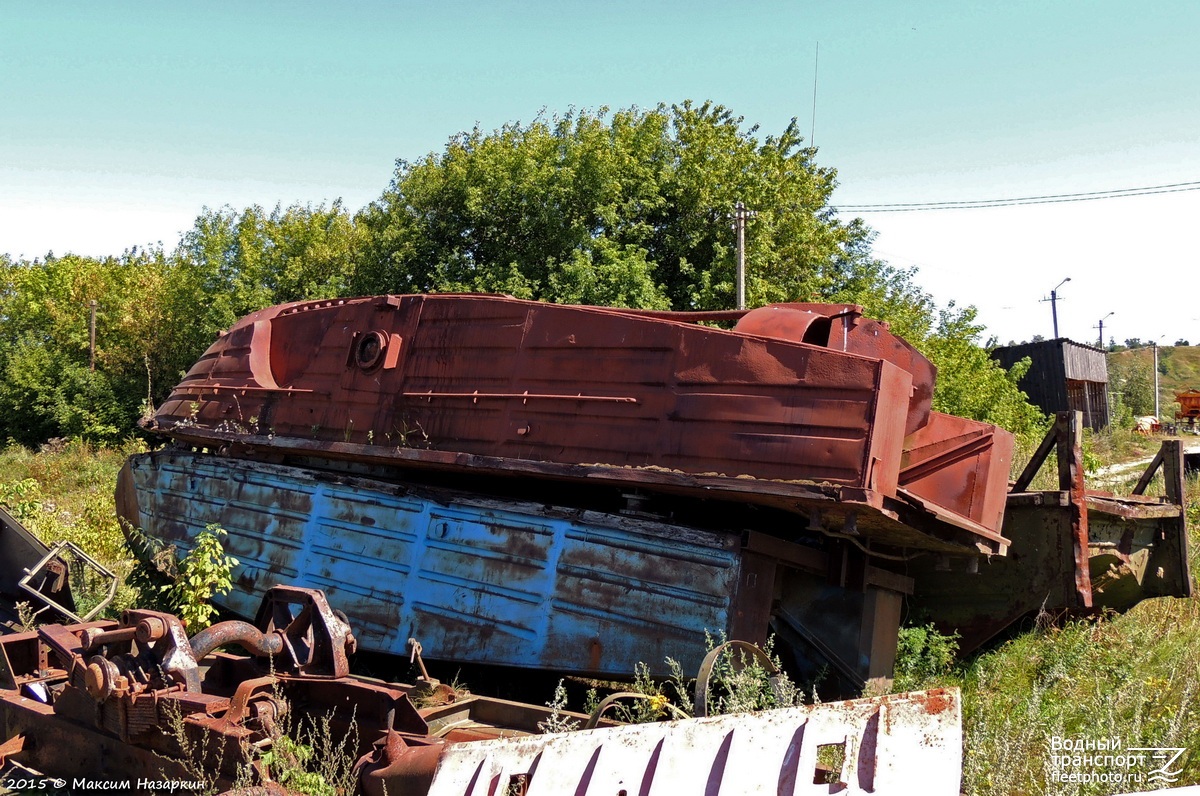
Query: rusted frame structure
x,y
1076,550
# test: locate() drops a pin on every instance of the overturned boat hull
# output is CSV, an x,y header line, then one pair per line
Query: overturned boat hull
x,y
505,582
799,406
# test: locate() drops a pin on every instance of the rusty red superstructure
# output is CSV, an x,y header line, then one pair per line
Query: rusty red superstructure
x,y
800,406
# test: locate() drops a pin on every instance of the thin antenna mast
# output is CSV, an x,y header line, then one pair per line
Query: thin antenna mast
x,y
812,136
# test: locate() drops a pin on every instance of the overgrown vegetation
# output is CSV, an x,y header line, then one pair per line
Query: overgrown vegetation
x,y
1133,676
65,492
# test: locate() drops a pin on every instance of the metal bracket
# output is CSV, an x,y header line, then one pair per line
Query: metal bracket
x,y
54,554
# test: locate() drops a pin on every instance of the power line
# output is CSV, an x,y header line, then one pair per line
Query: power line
x,y
972,204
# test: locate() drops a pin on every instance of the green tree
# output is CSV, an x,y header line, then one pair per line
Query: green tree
x,y
627,209
1133,380
47,385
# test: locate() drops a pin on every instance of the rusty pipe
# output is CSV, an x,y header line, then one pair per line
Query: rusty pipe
x,y
249,637
95,637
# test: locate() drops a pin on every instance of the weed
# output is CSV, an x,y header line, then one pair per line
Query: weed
x,y
21,499
64,492
26,616
740,684
205,571
306,756
555,722
406,437
288,761
196,753
922,655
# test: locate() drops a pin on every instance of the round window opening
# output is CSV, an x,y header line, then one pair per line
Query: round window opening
x,y
370,350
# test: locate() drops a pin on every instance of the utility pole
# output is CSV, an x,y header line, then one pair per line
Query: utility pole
x,y
1154,345
740,216
1054,304
92,336
1100,340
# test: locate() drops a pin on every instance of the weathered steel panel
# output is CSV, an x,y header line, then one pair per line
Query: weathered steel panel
x,y
900,744
959,464
475,581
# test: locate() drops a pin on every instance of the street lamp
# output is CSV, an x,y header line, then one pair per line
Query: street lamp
x,y
1101,326
1054,304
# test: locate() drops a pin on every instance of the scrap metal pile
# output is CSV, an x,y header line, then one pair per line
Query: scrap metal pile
x,y
136,703
580,489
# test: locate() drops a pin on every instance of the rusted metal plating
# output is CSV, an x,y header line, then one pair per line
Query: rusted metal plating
x,y
801,397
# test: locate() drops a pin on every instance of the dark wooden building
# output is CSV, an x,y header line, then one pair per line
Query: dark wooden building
x,y
1064,376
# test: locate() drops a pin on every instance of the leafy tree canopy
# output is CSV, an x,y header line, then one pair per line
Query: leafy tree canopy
x,y
623,209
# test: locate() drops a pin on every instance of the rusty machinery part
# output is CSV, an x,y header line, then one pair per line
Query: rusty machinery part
x,y
316,639
100,678
429,690
744,650
108,690
159,656
399,763
415,657
314,642
13,746
244,634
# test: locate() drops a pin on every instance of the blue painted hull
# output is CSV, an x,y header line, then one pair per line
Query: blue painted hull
x,y
474,580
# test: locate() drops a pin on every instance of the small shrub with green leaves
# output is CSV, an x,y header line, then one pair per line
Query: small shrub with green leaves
x,y
203,573
21,499
922,654
288,761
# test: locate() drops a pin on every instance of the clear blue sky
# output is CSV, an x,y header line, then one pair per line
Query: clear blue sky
x,y
122,120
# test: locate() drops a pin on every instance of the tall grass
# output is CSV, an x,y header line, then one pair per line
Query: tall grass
x,y
65,492
1133,677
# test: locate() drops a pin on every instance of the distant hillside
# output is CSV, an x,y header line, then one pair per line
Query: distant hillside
x,y
1178,370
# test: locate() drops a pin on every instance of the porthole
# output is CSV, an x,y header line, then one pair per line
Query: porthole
x,y
369,351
